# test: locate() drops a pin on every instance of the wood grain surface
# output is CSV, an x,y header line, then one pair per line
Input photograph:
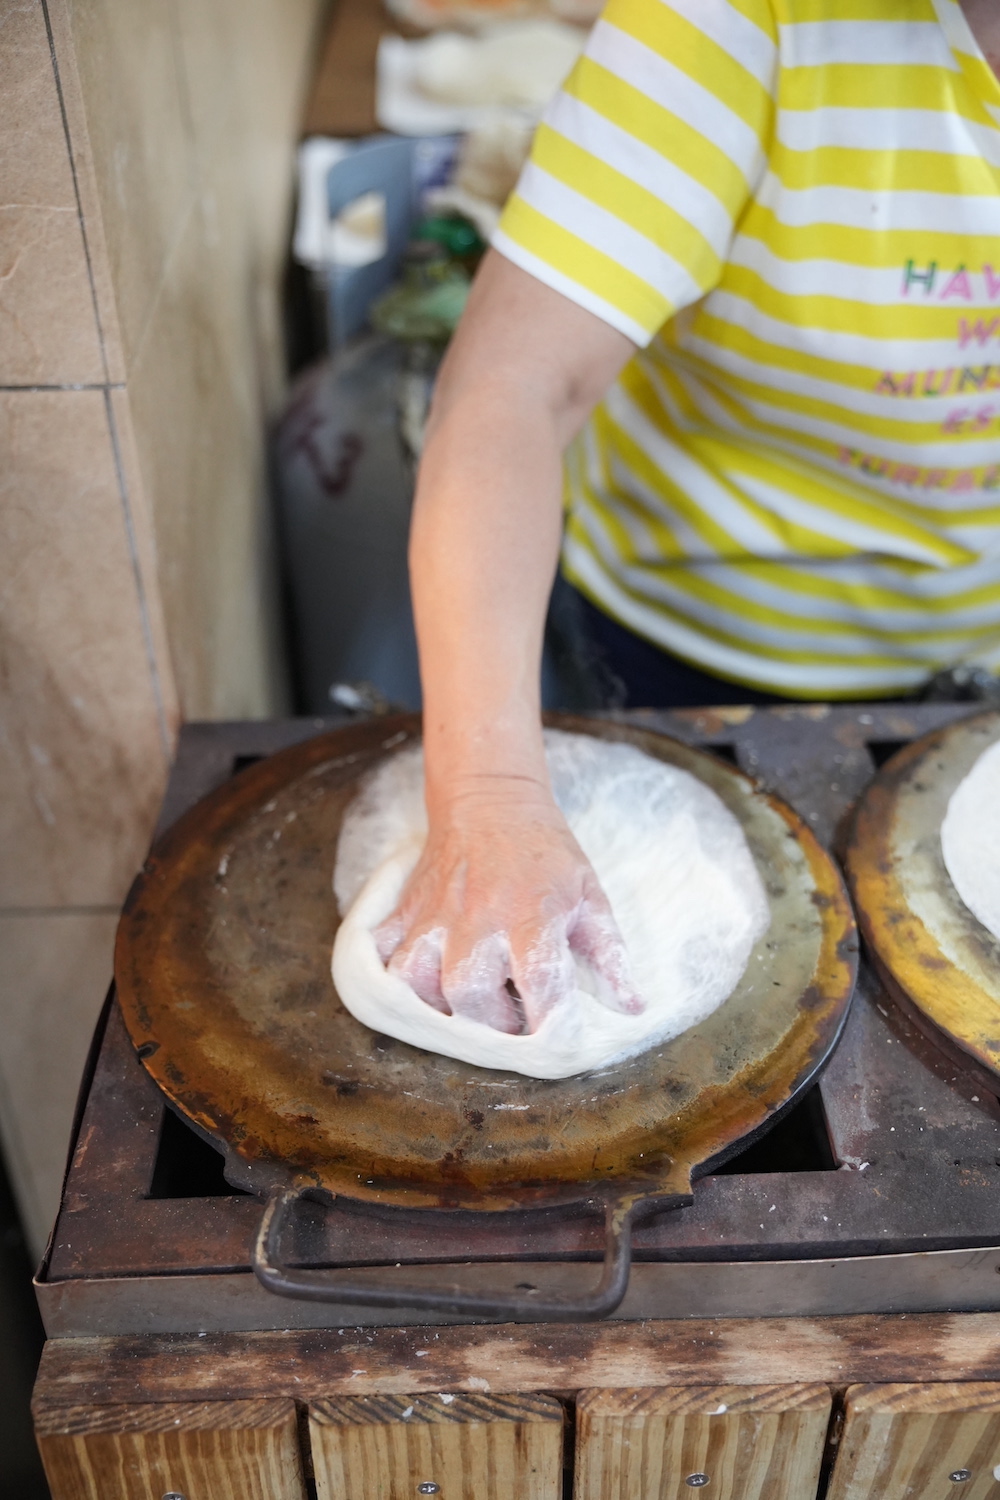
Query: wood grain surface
x,y
219,1450
470,1447
906,1442
520,1357
342,97
738,1442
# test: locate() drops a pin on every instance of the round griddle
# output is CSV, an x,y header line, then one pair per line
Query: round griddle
x,y
939,962
223,973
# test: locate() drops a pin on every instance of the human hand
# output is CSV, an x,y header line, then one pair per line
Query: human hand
x,y
498,904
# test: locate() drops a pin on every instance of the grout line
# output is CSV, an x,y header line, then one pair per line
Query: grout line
x,y
133,549
59,911
101,385
76,188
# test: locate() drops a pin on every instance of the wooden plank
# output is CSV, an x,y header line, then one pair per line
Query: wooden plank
x,y
919,1442
526,1357
739,1442
469,1447
226,1450
342,97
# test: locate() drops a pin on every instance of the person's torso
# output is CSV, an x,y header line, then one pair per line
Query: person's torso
x,y
856,324
798,481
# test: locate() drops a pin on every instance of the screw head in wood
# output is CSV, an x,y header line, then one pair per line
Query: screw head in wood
x,y
428,1488
174,1495
959,1476
697,1481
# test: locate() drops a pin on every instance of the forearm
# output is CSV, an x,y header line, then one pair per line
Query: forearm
x,y
523,372
502,891
484,548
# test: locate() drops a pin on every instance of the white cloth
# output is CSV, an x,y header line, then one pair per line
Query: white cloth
x,y
970,839
452,82
672,860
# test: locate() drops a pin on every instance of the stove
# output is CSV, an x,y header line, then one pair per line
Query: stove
x,y
878,1192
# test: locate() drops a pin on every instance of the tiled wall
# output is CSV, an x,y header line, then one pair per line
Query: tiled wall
x,y
145,154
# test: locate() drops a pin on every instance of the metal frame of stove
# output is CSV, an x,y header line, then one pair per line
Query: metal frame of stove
x,y
910,1223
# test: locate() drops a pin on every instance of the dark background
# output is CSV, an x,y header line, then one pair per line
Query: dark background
x,y
21,1476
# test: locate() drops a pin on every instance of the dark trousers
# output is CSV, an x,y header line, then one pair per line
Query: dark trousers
x,y
595,663
601,664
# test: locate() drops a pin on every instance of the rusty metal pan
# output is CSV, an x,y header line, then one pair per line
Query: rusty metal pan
x,y
937,959
223,974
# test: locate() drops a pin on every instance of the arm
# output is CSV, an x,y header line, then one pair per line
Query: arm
x,y
503,890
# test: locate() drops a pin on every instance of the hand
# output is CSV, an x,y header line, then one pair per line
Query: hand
x,y
501,899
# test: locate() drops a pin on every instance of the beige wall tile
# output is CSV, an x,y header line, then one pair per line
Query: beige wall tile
x,y
226,377
136,500
144,521
54,975
82,756
207,35
86,183
198,374
271,51
210,131
48,327
139,136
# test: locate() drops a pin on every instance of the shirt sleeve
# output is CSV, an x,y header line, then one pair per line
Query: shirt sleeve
x,y
646,158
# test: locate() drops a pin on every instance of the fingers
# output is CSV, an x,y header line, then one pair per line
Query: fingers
x,y
472,978
448,938
596,938
542,968
418,962
475,984
389,936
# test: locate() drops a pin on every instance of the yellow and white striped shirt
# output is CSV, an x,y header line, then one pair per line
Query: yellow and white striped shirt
x,y
793,208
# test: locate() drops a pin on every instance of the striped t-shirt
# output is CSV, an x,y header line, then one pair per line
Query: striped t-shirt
x,y
793,208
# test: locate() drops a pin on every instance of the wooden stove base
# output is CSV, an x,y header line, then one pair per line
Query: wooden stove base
x,y
771,1409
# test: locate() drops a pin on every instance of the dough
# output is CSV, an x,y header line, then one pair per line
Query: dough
x,y
670,856
970,839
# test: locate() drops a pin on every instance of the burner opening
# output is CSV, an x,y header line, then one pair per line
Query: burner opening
x,y
240,763
724,752
186,1166
883,750
799,1142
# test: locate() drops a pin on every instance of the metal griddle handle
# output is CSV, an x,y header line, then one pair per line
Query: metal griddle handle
x,y
316,1286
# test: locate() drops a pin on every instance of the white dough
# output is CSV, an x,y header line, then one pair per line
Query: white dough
x,y
672,860
970,839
